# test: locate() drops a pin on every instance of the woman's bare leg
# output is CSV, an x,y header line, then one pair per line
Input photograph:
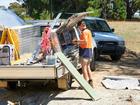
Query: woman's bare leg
x,y
84,70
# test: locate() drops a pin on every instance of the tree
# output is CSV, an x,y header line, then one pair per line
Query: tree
x,y
38,9
19,10
131,7
94,6
45,9
70,6
108,9
101,8
119,10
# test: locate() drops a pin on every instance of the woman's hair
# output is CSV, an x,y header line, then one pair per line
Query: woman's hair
x,y
81,22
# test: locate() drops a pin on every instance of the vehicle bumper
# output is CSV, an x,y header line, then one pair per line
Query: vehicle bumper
x,y
111,50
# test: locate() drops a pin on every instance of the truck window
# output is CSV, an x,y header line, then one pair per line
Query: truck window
x,y
97,25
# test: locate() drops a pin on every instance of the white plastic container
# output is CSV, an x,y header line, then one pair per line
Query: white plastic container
x,y
6,54
50,59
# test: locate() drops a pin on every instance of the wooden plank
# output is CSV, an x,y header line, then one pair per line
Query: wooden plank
x,y
3,84
77,76
63,83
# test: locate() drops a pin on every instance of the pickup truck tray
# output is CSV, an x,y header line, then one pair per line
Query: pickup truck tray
x,y
21,72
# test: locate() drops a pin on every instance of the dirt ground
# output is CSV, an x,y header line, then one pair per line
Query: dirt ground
x,y
36,94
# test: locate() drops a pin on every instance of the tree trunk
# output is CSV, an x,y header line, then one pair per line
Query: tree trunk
x,y
128,10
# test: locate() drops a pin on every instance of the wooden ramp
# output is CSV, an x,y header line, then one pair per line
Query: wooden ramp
x,y
77,76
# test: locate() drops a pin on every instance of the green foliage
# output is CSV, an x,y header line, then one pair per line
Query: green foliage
x,y
119,10
18,9
46,9
107,9
44,15
37,8
137,3
96,12
94,5
131,7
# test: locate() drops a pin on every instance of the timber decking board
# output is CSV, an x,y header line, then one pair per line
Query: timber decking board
x,y
76,75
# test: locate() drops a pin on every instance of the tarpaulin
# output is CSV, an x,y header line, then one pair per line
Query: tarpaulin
x,y
9,19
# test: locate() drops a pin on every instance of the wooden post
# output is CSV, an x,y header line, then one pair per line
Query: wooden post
x,y
63,82
3,84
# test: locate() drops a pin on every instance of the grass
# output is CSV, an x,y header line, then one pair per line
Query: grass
x,y
130,31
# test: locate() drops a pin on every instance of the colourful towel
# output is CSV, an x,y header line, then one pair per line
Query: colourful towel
x,y
45,41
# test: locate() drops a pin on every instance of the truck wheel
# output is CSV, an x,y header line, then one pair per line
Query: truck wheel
x,y
96,54
115,57
11,85
92,64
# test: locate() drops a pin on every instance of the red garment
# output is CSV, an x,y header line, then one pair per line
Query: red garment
x,y
45,41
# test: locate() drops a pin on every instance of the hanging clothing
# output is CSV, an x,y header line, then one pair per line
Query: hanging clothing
x,y
45,41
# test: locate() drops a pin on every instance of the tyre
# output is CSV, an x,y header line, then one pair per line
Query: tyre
x,y
96,54
92,64
115,57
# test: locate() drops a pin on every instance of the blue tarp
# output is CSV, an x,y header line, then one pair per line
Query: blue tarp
x,y
9,19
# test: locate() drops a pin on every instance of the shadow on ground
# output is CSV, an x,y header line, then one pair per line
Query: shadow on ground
x,y
129,64
35,94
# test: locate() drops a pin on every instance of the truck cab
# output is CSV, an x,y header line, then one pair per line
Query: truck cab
x,y
108,43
